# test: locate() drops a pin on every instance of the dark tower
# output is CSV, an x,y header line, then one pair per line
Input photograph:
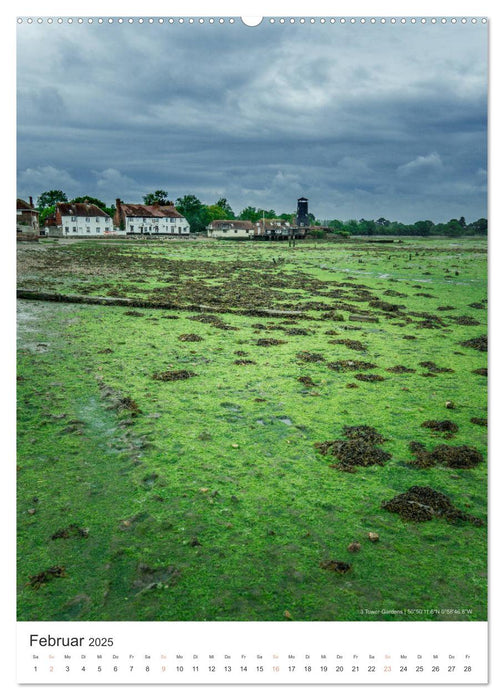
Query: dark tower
x,y
302,218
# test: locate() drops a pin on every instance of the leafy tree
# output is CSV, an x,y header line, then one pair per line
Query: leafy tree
x,y
253,214
367,228
382,222
352,225
479,227
46,213
193,210
189,203
157,197
47,199
250,214
423,228
213,212
453,228
224,204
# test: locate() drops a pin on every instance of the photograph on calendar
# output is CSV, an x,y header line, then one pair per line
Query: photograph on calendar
x,y
252,319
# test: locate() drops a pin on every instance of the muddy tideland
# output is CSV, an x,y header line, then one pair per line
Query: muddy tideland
x,y
214,430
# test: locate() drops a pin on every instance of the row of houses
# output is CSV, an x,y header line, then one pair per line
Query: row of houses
x,y
76,219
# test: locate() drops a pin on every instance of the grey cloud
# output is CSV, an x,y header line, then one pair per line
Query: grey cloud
x,y
350,115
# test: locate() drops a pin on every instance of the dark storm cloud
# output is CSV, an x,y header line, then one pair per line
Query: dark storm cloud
x,y
366,121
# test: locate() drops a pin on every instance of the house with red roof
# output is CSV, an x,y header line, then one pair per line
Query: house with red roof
x,y
27,220
150,219
79,219
230,228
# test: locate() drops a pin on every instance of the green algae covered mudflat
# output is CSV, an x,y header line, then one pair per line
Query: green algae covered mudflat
x,y
208,461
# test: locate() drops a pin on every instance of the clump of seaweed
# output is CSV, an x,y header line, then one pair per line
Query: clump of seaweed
x,y
214,321
126,403
307,381
386,306
393,293
369,378
433,368
190,338
310,357
400,369
350,365
264,342
340,567
480,343
465,320
452,457
72,530
46,576
351,344
358,448
173,375
482,371
421,503
441,426
296,331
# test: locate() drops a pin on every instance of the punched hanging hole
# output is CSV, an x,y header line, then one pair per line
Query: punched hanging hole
x,y
252,21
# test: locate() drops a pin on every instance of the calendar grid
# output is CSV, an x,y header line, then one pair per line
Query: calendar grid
x,y
311,653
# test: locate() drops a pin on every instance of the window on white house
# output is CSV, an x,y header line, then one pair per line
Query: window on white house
x,y
67,230
88,229
73,218
87,219
74,229
97,219
98,229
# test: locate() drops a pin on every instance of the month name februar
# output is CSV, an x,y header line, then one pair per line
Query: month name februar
x,y
51,641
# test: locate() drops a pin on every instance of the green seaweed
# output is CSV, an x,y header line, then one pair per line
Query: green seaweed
x,y
225,459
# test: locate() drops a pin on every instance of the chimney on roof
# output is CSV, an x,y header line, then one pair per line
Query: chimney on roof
x,y
118,203
31,202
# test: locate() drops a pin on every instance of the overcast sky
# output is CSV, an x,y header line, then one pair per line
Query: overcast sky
x,y
364,120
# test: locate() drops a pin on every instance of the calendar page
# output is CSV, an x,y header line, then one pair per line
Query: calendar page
x,y
251,348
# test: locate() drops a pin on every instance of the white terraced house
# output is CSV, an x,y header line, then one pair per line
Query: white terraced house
x,y
150,219
82,219
230,228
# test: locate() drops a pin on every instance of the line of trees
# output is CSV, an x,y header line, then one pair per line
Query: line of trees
x,y
384,227
199,215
